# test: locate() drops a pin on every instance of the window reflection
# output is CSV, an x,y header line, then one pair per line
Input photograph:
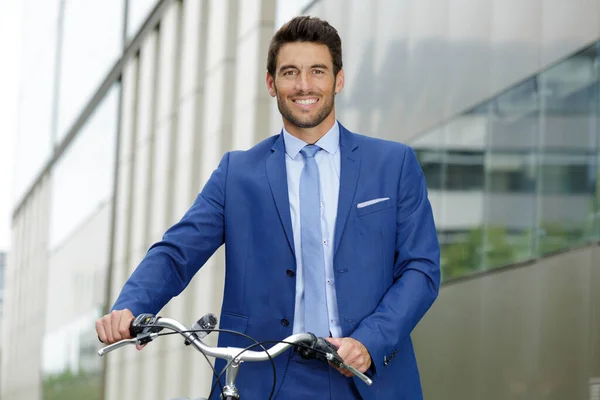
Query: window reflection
x,y
463,185
568,152
517,176
511,175
430,154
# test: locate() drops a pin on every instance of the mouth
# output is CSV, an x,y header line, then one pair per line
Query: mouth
x,y
305,103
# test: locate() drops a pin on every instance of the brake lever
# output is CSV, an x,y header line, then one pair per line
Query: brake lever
x,y
357,373
327,351
140,339
334,358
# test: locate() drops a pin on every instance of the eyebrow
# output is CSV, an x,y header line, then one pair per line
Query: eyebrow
x,y
290,66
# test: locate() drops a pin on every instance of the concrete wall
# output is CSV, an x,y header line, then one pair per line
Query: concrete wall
x,y
529,332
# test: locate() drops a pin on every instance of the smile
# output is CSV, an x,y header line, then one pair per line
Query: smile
x,y
305,102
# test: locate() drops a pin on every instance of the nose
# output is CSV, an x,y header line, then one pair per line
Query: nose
x,y
303,83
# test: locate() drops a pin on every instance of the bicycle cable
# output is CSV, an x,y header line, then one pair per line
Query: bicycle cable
x,y
255,344
261,344
218,376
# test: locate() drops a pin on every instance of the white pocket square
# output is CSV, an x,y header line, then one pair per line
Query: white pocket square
x,y
371,202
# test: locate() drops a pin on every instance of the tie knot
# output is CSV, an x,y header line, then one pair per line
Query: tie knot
x,y
310,150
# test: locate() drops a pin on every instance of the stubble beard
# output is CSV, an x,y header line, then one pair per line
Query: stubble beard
x,y
307,122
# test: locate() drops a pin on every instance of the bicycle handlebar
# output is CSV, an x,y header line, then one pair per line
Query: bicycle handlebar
x,y
146,328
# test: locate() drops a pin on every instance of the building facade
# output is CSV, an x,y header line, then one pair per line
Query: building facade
x,y
127,106
2,273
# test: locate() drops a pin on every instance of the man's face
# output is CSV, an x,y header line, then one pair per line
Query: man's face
x,y
304,84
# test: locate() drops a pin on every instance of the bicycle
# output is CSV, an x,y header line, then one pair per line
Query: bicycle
x,y
147,327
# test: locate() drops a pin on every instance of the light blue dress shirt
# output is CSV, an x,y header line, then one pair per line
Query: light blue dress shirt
x,y
328,161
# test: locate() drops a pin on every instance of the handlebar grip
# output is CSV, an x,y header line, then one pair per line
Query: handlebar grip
x,y
329,344
143,323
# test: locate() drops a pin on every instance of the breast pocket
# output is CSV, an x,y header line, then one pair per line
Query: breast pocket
x,y
369,208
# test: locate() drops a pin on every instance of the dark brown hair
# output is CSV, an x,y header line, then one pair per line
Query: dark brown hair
x,y
306,29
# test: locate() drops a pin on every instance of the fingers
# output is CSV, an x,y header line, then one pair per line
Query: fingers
x,y
335,341
115,321
124,324
353,353
101,331
106,321
114,327
346,350
343,353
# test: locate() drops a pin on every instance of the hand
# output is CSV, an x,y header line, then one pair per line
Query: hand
x,y
353,353
114,327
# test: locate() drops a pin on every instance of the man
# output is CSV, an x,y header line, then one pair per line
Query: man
x,y
326,231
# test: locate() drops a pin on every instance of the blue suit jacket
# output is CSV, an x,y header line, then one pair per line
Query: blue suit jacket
x,y
386,257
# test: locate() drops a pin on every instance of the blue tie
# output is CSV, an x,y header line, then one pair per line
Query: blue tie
x,y
316,319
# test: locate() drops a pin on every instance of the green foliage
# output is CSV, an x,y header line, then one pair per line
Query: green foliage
x,y
494,247
462,258
68,386
482,249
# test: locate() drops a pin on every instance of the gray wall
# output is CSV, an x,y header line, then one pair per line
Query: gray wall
x,y
529,332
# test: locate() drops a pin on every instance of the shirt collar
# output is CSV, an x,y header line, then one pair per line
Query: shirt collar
x,y
330,142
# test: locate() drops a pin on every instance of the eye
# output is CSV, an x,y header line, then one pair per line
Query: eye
x,y
318,71
289,72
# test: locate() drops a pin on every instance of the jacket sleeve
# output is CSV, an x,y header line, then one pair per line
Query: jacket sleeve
x,y
171,263
416,270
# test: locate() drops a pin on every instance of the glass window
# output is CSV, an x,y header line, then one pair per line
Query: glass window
x,y
568,153
596,234
137,13
36,97
464,170
430,154
432,164
429,149
92,43
460,229
511,175
83,178
517,176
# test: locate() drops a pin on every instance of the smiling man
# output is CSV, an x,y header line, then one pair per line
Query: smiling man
x,y
326,231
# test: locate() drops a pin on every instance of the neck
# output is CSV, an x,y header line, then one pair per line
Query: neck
x,y
310,135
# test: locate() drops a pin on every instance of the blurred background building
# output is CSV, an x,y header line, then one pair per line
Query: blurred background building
x,y
2,270
126,107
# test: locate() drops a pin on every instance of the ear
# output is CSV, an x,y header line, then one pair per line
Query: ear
x,y
339,81
271,85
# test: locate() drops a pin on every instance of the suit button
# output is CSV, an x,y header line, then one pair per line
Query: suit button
x,y
290,273
285,322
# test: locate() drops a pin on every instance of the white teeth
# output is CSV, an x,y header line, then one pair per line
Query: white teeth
x,y
306,102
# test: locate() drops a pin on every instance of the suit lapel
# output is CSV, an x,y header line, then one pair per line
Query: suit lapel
x,y
350,166
277,175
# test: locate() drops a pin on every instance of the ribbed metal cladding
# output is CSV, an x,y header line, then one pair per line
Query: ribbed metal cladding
x,y
180,96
